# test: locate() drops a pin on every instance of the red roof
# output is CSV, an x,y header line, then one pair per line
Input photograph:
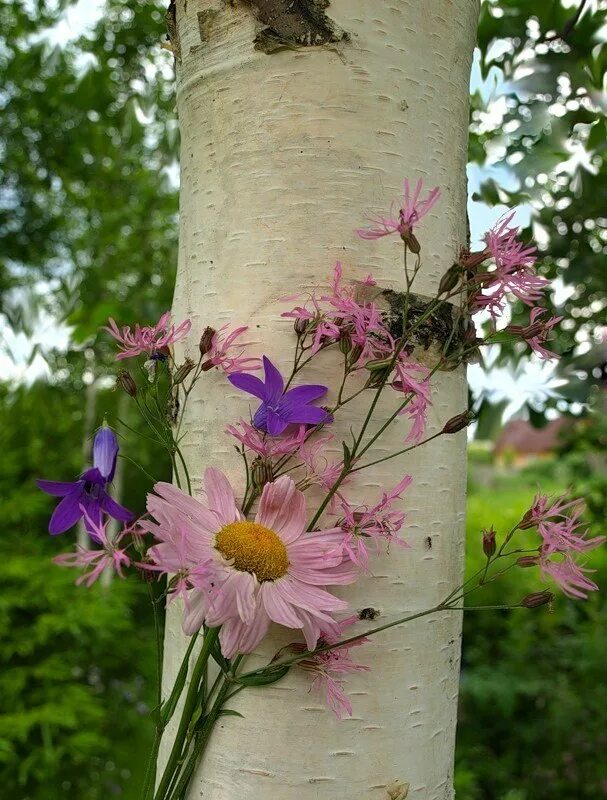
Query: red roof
x,y
520,436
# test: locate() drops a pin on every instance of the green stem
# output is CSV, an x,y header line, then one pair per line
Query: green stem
x,y
200,743
150,773
189,707
185,468
398,453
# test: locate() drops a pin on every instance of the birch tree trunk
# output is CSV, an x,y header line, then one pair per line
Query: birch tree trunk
x,y
295,122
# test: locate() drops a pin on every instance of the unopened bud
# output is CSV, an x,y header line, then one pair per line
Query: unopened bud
x,y
378,377
449,280
489,544
527,561
411,241
126,383
301,326
182,372
206,340
345,343
458,422
261,473
355,353
528,521
536,599
378,364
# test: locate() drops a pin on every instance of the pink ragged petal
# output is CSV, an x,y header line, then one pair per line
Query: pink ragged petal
x,y
220,496
234,598
277,608
283,509
194,616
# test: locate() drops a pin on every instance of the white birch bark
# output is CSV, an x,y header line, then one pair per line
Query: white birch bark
x,y
282,155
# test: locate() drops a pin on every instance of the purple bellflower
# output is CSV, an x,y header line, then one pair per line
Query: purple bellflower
x,y
87,497
279,408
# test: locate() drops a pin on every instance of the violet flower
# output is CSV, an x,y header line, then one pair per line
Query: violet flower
x,y
278,408
87,497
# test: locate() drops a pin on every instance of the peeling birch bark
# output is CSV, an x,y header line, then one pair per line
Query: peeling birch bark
x,y
282,155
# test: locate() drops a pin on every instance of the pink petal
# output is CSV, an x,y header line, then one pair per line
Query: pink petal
x,y
283,509
220,496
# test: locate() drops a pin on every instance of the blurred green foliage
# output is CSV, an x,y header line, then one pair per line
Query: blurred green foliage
x,y
533,703
74,703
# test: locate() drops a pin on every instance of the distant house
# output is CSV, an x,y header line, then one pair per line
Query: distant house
x,y
519,442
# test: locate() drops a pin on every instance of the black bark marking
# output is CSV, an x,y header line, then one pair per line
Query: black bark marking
x,y
205,23
172,33
290,24
436,332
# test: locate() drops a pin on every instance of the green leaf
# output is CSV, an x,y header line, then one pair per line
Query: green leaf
x,y
264,679
229,712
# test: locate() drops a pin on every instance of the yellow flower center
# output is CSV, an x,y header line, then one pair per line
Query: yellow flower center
x,y
253,548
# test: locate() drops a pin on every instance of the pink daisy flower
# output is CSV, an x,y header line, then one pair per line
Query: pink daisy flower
x,y
149,340
265,570
412,210
220,355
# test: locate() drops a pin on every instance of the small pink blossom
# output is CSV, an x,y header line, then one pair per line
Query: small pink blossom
x,y
319,469
412,378
109,557
361,524
569,576
560,531
514,270
149,340
537,333
563,540
219,354
412,210
339,314
329,666
266,446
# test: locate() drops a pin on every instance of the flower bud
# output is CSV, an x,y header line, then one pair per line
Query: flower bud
x,y
182,372
410,239
527,561
378,364
206,340
261,472
458,422
345,343
527,521
536,599
126,383
489,545
301,326
449,280
355,353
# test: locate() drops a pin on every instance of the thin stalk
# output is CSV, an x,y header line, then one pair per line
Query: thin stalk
x,y
398,453
150,773
200,744
185,468
189,707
